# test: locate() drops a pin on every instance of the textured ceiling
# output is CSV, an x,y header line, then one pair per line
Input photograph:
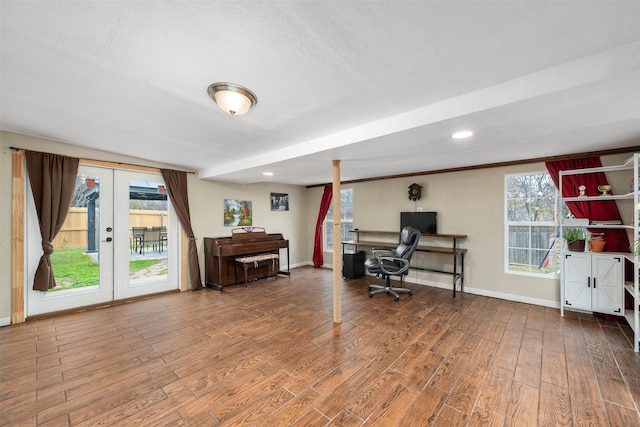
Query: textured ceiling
x,y
379,85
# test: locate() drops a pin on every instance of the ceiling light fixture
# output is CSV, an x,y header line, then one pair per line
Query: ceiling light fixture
x,y
267,173
462,134
232,98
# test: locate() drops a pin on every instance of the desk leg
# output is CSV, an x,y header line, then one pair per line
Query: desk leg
x,y
462,273
455,276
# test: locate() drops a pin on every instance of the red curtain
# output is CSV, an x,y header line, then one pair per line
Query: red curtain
x,y
617,240
318,259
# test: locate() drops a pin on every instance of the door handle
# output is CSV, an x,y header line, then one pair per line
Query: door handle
x,y
594,283
108,239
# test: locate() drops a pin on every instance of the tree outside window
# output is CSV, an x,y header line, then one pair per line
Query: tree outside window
x,y
531,225
346,220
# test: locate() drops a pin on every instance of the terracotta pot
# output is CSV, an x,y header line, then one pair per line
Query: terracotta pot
x,y
597,245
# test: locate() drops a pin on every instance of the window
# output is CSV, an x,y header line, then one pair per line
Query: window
x,y
346,220
531,226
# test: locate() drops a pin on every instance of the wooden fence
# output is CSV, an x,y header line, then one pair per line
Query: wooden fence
x,y
73,234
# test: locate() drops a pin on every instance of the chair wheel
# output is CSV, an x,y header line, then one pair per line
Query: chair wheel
x,y
410,293
370,295
369,288
396,299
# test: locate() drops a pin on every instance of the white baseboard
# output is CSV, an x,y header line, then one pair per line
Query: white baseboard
x,y
5,321
300,264
492,294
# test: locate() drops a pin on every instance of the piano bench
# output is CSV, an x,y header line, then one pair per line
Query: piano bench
x,y
255,261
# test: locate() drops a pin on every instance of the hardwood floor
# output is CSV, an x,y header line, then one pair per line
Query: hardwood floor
x,y
270,354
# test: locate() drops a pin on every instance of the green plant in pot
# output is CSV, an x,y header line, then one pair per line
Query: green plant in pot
x,y
575,238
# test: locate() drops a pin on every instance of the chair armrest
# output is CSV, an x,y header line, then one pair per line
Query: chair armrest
x,y
402,270
378,252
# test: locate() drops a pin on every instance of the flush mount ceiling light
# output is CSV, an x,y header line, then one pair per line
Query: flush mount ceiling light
x,y
462,134
232,98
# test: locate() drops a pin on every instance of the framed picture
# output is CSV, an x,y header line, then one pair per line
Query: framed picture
x,y
237,213
279,202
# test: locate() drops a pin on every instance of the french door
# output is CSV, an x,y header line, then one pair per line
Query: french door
x,y
97,258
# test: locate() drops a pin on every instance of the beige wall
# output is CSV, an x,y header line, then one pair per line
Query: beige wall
x,y
469,202
206,199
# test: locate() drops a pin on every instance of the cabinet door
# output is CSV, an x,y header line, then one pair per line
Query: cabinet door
x,y
607,282
577,283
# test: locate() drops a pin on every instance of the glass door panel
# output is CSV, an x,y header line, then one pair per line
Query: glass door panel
x,y
148,263
82,259
119,240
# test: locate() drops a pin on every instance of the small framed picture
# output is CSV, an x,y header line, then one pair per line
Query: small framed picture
x,y
279,202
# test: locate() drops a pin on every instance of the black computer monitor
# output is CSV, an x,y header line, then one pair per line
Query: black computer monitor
x,y
426,222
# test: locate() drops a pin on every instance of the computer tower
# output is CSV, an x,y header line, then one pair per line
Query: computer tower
x,y
353,264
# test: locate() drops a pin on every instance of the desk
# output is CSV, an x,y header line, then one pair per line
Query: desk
x,y
456,252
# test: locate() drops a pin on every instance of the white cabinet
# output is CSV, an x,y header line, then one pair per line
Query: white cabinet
x,y
594,282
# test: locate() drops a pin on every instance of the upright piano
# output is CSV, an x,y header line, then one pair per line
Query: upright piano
x,y
221,252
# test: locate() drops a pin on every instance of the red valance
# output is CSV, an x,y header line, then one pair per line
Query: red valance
x,y
617,239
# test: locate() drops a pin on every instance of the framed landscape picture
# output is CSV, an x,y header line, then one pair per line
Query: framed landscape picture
x,y
237,213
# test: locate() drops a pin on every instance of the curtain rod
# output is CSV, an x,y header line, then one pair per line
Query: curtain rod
x,y
102,161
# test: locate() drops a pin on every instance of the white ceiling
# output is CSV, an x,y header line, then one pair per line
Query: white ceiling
x,y
378,85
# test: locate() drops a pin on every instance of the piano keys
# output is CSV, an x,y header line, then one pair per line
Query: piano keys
x,y
221,252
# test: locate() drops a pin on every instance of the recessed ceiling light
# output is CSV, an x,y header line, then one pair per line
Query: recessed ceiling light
x,y
267,173
462,134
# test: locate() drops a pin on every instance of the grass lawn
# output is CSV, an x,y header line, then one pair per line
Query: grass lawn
x,y
73,268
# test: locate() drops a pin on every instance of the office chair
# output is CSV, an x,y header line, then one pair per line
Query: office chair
x,y
387,263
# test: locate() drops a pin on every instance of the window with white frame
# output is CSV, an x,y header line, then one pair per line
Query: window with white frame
x,y
346,220
531,225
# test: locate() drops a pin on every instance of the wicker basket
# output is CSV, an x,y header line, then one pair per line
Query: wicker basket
x,y
576,245
597,245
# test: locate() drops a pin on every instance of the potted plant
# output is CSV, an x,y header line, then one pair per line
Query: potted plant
x,y
575,238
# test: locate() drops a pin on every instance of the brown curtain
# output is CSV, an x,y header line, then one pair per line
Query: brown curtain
x,y
176,182
53,180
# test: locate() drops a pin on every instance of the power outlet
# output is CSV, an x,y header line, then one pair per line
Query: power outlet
x,y
418,209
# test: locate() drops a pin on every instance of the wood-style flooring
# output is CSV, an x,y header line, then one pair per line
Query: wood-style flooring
x,y
270,355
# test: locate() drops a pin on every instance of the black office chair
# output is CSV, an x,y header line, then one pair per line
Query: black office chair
x,y
387,263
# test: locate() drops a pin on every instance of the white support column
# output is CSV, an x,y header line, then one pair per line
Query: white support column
x,y
337,247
